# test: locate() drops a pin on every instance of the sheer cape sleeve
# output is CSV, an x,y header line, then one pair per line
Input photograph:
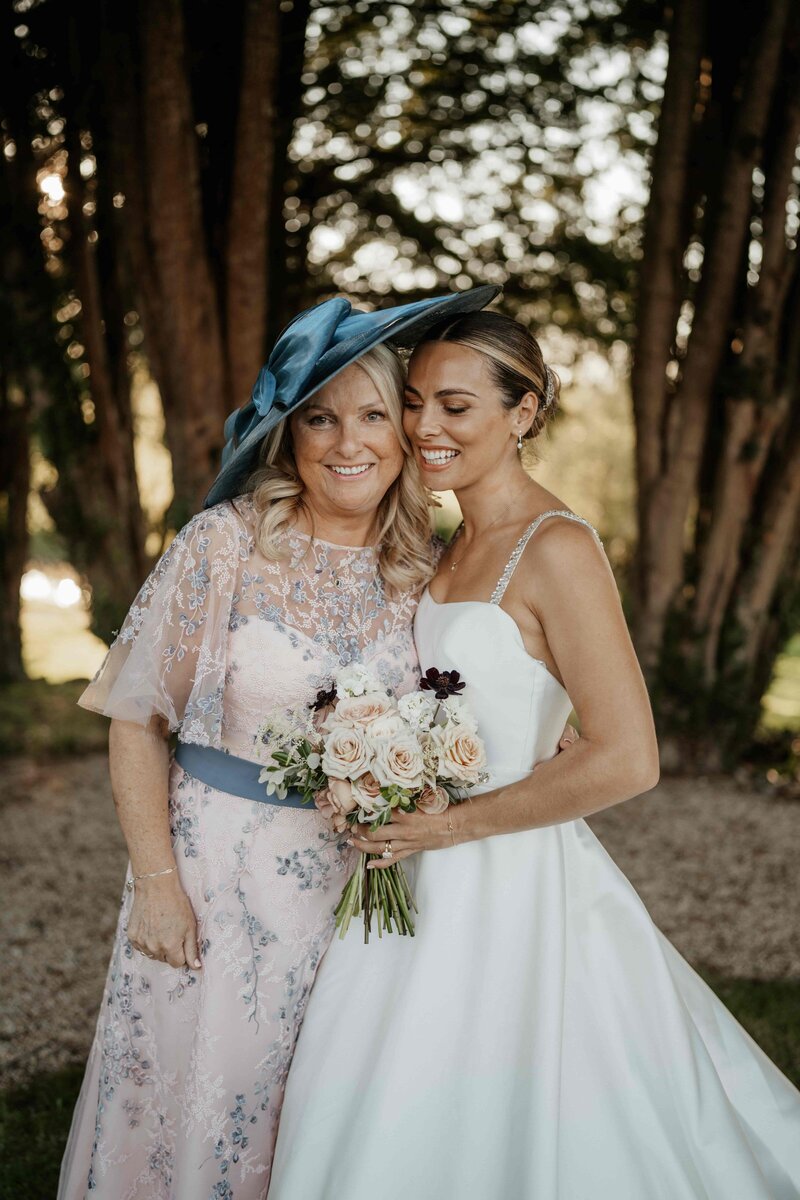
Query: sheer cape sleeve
x,y
169,658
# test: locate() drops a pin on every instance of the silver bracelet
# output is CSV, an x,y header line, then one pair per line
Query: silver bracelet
x,y
150,875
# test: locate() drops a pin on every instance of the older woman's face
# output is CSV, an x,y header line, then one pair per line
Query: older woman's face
x,y
346,451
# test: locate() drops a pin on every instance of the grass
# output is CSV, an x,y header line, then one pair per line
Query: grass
x,y
40,719
35,1120
34,1124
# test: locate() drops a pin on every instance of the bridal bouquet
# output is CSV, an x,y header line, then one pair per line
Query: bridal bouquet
x,y
359,754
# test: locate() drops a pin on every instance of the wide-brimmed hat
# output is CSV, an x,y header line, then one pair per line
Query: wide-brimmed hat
x,y
313,348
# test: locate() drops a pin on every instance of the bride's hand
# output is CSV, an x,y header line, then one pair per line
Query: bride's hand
x,y
411,832
408,833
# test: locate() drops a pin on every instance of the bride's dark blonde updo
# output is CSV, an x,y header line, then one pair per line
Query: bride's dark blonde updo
x,y
515,359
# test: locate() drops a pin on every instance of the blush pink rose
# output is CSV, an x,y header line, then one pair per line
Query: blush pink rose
x,y
367,791
335,802
434,800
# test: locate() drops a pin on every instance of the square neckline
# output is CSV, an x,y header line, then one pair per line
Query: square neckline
x,y
515,627
498,593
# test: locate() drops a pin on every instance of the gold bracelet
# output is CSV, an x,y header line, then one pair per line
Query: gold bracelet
x,y
450,827
150,875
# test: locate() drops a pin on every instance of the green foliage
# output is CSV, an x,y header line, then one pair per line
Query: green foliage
x,y
442,146
42,719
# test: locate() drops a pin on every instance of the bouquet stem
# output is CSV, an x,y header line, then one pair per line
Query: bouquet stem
x,y
384,894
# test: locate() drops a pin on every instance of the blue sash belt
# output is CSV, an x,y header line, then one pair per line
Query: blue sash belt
x,y
227,773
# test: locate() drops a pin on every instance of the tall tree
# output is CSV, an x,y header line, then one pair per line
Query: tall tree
x,y
164,229
715,375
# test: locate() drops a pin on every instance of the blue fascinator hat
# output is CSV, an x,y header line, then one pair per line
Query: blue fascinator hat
x,y
313,348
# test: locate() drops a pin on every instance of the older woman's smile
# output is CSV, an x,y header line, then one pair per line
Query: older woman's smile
x,y
355,472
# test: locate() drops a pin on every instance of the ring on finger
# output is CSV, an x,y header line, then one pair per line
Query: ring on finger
x,y
387,850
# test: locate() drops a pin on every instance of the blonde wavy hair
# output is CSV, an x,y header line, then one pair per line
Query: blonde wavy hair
x,y
406,560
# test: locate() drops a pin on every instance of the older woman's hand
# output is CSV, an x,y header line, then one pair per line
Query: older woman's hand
x,y
162,923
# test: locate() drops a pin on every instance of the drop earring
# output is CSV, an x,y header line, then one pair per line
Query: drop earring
x,y
519,442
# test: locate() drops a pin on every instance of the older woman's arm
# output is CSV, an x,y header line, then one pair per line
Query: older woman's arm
x,y
567,583
162,923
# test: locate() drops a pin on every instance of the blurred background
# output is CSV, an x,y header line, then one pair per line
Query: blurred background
x,y
179,179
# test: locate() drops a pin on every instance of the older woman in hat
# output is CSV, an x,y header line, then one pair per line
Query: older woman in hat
x,y
309,555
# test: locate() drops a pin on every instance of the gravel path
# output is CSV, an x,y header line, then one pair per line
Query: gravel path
x,y
714,863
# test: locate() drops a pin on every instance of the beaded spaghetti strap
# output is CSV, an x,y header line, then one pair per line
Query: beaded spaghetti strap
x,y
505,578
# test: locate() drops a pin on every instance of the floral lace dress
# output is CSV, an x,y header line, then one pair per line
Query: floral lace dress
x,y
185,1079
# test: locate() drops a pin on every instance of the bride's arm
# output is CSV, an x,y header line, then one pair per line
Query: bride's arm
x,y
565,581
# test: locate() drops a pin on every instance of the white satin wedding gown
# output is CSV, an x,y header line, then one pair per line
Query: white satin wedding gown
x,y
539,1037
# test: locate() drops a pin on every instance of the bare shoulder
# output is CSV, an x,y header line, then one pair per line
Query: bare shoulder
x,y
564,554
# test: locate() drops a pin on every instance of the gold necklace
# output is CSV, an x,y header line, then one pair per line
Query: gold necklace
x,y
453,565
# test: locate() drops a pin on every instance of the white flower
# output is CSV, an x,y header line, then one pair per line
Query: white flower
x,y
356,680
459,712
462,755
418,709
398,761
345,755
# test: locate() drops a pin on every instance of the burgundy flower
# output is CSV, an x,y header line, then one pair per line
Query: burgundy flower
x,y
325,698
442,683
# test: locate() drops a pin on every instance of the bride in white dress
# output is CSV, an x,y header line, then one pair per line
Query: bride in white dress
x,y
539,1037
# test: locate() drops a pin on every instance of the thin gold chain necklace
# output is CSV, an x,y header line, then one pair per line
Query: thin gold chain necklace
x,y
453,565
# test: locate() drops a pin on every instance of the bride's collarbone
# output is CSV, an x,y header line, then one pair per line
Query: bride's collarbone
x,y
472,572
472,580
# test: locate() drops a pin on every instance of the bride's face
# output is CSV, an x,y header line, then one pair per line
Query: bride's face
x,y
455,419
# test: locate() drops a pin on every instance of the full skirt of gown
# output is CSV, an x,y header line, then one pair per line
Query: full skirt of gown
x,y
539,1038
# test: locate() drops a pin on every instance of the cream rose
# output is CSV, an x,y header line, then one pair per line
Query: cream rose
x,y
361,710
434,800
346,754
398,761
462,755
336,801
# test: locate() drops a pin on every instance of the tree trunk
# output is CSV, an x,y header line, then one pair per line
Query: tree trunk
x,y
664,244
192,354
716,439
756,413
247,296
666,501
101,324
14,485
